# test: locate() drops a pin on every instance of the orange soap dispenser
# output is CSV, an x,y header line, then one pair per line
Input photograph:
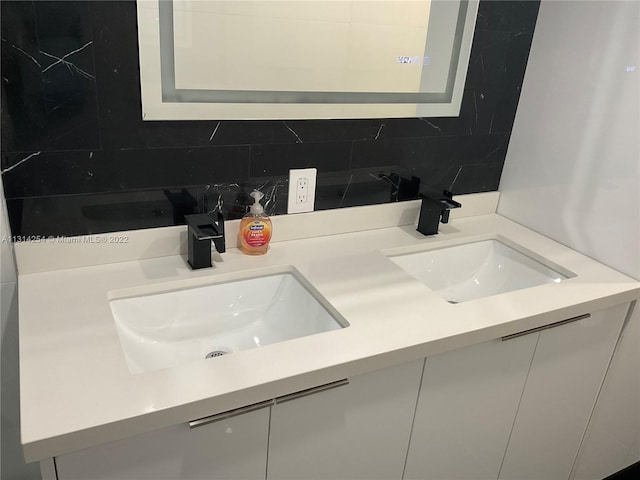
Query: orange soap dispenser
x,y
255,228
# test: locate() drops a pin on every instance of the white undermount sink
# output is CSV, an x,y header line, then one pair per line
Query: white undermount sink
x,y
162,330
475,270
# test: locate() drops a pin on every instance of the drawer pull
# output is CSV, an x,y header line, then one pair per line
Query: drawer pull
x,y
230,413
546,327
312,391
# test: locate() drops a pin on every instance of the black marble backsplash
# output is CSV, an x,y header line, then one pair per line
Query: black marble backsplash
x,y
76,157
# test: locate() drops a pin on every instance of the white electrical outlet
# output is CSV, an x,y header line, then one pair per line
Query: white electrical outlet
x,y
302,190
302,187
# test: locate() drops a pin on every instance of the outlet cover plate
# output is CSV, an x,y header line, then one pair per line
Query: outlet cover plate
x,y
302,190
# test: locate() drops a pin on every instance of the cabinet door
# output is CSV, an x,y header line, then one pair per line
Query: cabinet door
x,y
234,448
467,406
567,371
612,441
357,431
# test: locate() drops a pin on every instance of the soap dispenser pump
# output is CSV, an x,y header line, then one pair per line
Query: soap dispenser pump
x,y
255,228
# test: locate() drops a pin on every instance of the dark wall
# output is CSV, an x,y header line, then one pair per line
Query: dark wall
x,y
77,158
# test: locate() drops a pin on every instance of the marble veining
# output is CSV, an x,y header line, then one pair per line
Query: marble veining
x,y
20,162
453,182
271,197
298,139
233,200
22,52
215,130
431,124
346,189
70,65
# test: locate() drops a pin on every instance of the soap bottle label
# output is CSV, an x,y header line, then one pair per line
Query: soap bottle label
x,y
256,233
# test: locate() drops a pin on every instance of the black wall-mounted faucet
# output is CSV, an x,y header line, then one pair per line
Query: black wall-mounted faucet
x,y
202,229
435,210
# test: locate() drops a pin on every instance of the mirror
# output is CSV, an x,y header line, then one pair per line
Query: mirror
x,y
301,59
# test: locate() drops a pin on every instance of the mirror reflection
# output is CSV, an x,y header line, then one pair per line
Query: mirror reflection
x,y
294,58
319,46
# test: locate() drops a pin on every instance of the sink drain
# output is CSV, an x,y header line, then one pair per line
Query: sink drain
x,y
217,353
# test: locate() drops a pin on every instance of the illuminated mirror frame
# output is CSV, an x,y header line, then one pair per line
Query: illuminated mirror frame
x,y
162,101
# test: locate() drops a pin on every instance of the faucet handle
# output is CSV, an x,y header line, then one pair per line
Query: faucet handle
x,y
204,227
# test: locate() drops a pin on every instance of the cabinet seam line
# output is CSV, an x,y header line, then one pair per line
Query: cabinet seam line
x,y
415,412
513,425
572,473
266,466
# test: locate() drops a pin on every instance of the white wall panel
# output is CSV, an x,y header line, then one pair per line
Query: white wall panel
x,y
572,169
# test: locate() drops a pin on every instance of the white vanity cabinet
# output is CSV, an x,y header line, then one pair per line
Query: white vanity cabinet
x,y
515,408
612,441
512,408
467,406
357,431
566,374
232,448
358,428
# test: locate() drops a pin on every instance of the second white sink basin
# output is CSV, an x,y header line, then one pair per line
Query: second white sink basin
x,y
166,329
475,270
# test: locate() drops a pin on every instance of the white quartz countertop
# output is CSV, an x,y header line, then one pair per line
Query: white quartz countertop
x,y
76,390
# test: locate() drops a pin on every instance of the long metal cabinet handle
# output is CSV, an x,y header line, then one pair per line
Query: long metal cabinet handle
x,y
230,413
546,327
312,390
267,403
